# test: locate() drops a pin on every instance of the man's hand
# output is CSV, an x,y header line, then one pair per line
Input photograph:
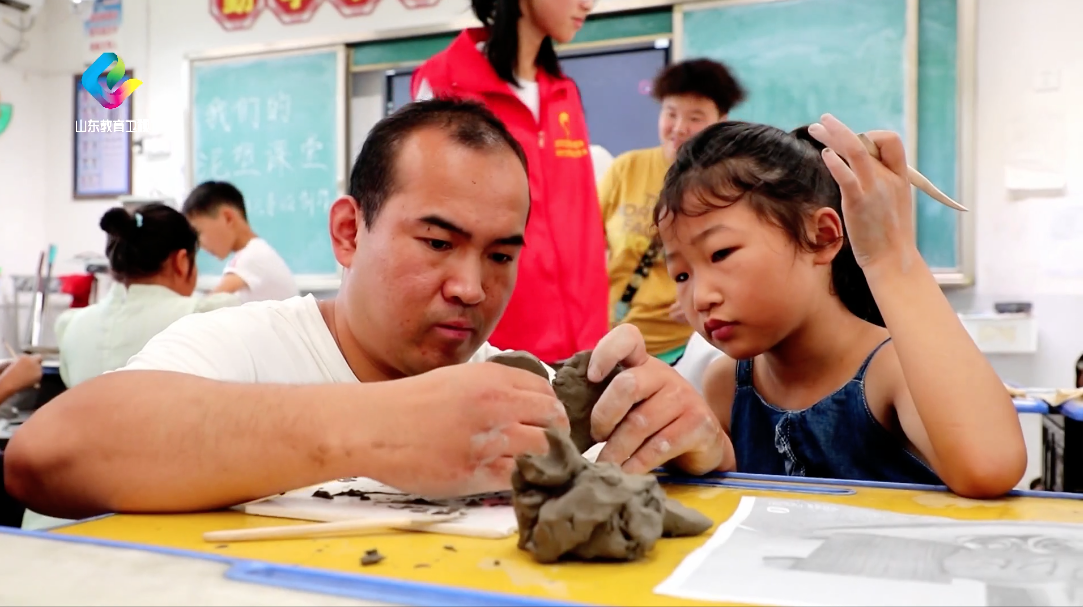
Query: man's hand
x,y
650,415
22,373
461,427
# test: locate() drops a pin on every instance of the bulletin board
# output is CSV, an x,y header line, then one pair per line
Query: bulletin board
x,y
101,146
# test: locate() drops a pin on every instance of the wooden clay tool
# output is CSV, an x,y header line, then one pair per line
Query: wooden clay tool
x,y
338,528
918,180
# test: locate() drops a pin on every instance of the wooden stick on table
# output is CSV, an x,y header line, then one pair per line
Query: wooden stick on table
x,y
327,529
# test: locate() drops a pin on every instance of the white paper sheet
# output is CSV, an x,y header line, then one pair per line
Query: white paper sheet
x,y
480,520
795,552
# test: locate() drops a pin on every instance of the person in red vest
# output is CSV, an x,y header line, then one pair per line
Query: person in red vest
x,y
560,302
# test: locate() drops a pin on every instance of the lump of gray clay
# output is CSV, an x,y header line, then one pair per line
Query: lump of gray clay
x,y
567,506
570,383
579,396
521,360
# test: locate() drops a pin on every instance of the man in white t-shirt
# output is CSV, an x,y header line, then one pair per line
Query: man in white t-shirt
x,y
256,272
246,402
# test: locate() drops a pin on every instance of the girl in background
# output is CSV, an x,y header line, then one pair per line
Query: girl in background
x,y
844,358
559,303
152,256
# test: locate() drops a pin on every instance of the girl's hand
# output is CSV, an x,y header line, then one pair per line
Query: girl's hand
x,y
877,204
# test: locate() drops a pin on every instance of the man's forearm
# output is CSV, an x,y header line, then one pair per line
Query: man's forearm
x,y
108,446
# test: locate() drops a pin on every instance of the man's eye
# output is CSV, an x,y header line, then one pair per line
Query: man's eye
x,y
438,245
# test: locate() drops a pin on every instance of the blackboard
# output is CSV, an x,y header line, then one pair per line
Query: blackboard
x,y
801,58
275,127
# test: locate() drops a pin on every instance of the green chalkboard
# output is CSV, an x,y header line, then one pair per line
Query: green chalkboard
x,y
801,58
273,127
938,226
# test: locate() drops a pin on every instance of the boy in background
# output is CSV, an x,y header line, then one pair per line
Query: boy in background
x,y
256,272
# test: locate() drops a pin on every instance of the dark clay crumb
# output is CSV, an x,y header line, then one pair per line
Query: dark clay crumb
x,y
421,566
496,562
221,546
320,493
449,547
354,493
371,557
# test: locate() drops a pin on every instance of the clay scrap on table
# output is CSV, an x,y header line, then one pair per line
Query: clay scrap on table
x,y
571,386
371,557
567,506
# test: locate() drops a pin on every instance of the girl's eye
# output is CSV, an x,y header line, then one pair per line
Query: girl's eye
x,y
439,245
719,255
683,276
501,258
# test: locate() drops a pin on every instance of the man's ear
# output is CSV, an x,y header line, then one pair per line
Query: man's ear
x,y
828,234
346,224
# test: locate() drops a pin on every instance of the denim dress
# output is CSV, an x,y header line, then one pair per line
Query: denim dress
x,y
836,438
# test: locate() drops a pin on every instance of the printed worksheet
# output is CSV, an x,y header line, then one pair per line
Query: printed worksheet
x,y
796,552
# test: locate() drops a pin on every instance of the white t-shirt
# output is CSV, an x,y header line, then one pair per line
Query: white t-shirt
x,y
284,342
102,337
698,355
263,271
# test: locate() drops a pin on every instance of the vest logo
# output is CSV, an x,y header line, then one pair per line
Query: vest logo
x,y
568,146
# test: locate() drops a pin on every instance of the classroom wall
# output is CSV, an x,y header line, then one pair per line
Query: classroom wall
x,y
23,162
1030,249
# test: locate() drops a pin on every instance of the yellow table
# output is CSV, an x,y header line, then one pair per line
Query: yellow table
x,y
497,566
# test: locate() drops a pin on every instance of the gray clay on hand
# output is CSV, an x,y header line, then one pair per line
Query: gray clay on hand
x,y
521,360
579,396
567,506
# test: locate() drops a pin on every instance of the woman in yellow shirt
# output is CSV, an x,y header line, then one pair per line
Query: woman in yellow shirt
x,y
694,95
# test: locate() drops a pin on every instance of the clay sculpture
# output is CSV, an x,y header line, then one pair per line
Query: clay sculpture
x,y
567,506
575,391
521,360
579,396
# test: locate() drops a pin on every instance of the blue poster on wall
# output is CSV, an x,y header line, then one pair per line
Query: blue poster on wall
x,y
104,19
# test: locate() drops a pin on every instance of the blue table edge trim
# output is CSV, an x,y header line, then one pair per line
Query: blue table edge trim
x,y
768,478
313,580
